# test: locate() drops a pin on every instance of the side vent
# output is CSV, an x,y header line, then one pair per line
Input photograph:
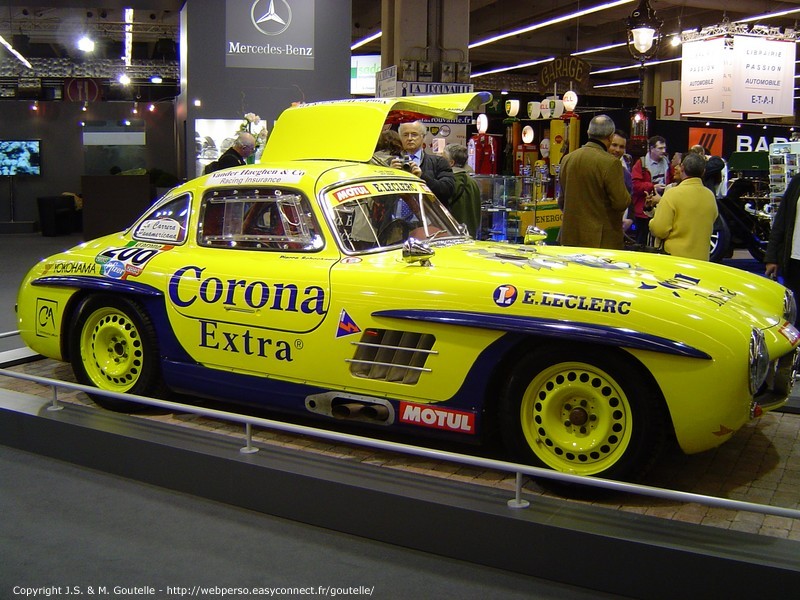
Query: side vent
x,y
394,356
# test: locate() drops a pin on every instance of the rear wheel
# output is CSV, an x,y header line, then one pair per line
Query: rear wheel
x,y
113,347
585,411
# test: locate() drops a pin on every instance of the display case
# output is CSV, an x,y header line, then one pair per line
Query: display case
x,y
510,204
783,165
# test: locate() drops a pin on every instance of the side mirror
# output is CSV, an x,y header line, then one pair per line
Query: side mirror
x,y
534,236
415,251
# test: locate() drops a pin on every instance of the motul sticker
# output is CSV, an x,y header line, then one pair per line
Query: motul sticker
x,y
437,418
790,333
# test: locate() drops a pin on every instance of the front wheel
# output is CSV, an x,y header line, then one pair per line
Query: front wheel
x,y
585,411
113,347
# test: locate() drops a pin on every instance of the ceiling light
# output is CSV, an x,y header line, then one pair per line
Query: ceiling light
x,y
643,29
86,44
124,79
567,17
520,66
85,106
156,79
763,17
366,40
616,84
11,49
35,105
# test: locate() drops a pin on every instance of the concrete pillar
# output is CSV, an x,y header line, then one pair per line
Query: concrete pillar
x,y
425,30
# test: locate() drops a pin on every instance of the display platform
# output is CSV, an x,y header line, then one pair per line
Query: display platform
x,y
597,548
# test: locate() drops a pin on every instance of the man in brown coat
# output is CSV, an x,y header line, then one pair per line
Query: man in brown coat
x,y
593,193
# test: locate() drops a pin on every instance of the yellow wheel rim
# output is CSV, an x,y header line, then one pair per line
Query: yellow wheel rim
x,y
111,349
576,418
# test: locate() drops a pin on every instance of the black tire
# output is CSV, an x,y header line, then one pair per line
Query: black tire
x,y
113,346
587,411
720,240
758,251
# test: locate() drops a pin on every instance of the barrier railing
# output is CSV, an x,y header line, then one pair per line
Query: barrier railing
x,y
507,467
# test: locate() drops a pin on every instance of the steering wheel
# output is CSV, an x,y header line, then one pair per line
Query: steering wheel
x,y
394,232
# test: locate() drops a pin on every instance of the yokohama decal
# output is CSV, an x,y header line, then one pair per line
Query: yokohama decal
x,y
437,418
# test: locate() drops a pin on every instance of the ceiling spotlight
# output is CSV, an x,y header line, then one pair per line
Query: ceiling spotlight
x,y
676,40
35,105
156,79
197,102
86,44
135,109
124,79
152,108
85,106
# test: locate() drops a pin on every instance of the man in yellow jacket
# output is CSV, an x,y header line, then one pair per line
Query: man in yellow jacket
x,y
686,213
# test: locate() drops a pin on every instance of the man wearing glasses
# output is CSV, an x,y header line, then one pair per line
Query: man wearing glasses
x,y
650,174
434,169
242,147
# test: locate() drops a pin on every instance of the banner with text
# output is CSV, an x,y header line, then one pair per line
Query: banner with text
x,y
763,76
702,74
270,34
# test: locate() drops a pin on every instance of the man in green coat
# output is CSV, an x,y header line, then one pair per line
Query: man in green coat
x,y
465,203
593,194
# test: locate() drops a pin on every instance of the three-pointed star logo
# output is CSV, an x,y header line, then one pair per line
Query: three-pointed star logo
x,y
271,15
272,22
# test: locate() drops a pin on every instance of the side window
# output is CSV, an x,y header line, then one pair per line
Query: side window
x,y
258,220
166,223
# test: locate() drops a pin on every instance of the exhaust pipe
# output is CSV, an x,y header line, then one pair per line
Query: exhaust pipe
x,y
376,412
352,407
347,410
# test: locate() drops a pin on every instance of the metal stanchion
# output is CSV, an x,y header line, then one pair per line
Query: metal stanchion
x,y
518,501
55,405
248,433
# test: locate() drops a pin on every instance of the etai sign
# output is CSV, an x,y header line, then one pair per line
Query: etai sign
x,y
270,34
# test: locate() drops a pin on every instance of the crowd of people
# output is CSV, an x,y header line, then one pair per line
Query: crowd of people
x,y
607,199
667,206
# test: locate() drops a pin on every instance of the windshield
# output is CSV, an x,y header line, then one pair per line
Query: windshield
x,y
378,215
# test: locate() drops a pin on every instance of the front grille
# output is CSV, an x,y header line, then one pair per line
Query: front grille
x,y
395,356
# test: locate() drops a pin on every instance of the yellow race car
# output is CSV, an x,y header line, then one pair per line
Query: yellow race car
x,y
318,284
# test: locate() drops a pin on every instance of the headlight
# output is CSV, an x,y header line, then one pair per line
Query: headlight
x,y
789,307
759,360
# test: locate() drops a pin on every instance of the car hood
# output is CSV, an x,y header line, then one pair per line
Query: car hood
x,y
348,129
653,287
